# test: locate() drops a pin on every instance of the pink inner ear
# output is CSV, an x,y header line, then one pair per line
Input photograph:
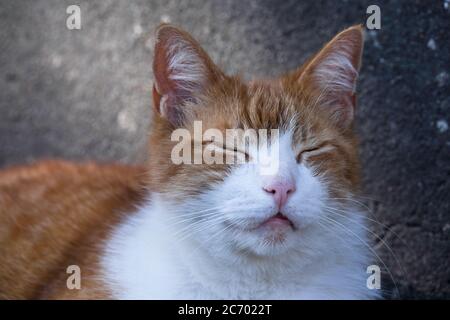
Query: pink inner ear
x,y
166,95
178,71
160,69
334,73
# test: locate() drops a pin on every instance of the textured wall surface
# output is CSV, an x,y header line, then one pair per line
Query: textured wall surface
x,y
86,95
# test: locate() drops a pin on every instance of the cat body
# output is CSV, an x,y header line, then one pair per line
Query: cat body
x,y
55,214
204,230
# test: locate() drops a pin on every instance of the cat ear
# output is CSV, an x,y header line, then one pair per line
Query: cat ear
x,y
182,71
332,74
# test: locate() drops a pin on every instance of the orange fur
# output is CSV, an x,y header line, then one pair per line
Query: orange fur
x,y
55,214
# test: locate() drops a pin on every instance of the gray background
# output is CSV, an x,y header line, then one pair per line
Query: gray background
x,y
87,95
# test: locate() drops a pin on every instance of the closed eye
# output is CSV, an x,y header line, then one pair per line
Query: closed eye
x,y
308,152
226,149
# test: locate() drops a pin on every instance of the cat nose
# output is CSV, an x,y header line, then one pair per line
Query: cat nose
x,y
280,190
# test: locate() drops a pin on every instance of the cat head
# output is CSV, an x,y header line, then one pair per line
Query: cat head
x,y
307,116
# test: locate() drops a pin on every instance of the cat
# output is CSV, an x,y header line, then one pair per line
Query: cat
x,y
204,231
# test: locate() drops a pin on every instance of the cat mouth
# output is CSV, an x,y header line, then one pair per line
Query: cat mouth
x,y
278,221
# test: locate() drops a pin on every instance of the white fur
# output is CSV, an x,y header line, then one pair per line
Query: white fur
x,y
335,72
185,66
170,250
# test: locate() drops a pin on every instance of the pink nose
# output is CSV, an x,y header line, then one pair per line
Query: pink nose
x,y
280,190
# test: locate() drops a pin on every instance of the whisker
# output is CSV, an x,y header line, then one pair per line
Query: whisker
x,y
374,234
380,224
196,227
345,229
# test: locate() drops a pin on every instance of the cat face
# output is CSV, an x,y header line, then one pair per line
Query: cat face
x,y
241,206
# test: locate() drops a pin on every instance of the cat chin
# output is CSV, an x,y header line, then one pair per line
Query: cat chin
x,y
266,241
270,247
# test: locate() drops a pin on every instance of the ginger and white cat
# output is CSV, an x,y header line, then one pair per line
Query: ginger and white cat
x,y
198,231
